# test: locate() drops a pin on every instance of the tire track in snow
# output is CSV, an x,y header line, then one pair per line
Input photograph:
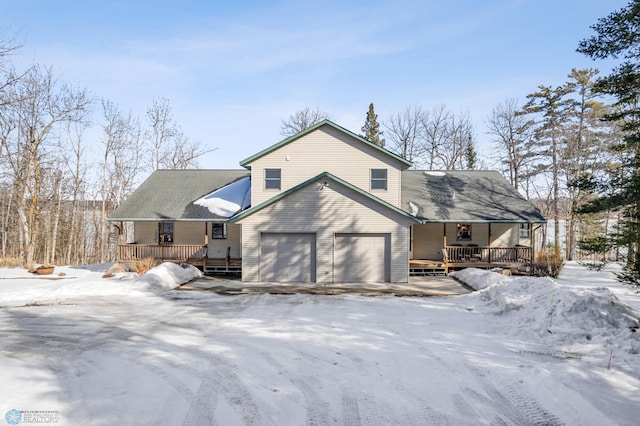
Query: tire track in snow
x,y
317,408
203,404
512,402
350,410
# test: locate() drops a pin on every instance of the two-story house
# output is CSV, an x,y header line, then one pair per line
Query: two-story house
x,y
324,206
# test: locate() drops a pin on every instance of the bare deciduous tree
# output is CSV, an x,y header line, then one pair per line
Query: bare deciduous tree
x,y
38,107
170,148
302,119
511,131
406,134
121,160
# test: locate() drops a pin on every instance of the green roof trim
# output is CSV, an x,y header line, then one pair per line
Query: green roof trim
x,y
316,126
323,175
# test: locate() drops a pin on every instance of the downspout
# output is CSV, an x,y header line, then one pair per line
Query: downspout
x,y
533,244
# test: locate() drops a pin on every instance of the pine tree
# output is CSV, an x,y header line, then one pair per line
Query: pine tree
x,y
618,37
471,155
371,127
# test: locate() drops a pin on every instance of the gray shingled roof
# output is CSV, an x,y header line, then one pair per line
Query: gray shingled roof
x,y
448,196
169,195
464,196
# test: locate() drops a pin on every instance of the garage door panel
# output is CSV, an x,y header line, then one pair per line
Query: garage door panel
x,y
287,257
362,258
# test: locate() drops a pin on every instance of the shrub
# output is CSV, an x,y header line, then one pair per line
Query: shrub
x,y
143,265
11,262
547,264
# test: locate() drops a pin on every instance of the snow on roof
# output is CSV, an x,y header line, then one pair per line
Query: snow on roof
x,y
229,199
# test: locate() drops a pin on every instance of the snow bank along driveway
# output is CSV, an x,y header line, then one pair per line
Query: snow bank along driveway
x,y
130,351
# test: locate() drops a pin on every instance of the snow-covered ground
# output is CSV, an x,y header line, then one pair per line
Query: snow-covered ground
x,y
132,351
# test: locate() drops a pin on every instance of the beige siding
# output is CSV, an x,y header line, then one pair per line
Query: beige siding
x,y
145,232
479,234
218,248
325,212
326,150
428,241
188,233
505,234
428,238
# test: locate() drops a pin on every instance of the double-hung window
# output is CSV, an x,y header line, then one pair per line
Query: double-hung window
x,y
525,230
272,178
379,179
218,231
165,233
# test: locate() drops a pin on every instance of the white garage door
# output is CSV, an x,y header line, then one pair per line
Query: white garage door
x,y
362,258
287,257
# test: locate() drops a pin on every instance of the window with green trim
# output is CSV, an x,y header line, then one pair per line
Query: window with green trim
x,y
379,179
272,178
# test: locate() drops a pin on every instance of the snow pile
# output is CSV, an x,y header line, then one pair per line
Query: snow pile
x,y
167,276
478,279
18,287
539,308
229,199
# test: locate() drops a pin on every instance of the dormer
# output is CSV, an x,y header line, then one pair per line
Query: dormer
x,y
325,147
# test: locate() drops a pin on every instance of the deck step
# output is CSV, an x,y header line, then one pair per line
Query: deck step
x,y
424,271
222,269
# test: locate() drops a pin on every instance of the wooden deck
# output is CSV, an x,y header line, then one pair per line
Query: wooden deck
x,y
424,267
453,257
460,257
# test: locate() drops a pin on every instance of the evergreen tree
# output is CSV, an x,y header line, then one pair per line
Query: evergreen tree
x,y
550,107
471,155
618,37
371,127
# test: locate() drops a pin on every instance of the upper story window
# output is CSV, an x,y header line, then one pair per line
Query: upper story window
x,y
219,231
379,179
525,230
272,178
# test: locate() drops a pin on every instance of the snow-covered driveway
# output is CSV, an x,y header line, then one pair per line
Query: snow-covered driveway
x,y
198,358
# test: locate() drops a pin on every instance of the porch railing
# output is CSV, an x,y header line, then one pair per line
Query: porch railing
x,y
174,252
469,254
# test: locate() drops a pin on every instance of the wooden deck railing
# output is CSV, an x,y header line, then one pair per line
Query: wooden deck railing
x,y
174,252
488,254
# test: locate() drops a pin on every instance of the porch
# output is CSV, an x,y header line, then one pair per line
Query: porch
x,y
192,254
472,256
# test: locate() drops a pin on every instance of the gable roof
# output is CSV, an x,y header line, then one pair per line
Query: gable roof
x,y
170,195
246,161
321,176
465,196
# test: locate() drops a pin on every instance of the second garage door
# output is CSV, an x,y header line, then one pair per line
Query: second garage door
x,y
287,257
362,258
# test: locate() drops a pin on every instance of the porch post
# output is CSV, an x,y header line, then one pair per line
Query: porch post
x,y
206,246
490,241
444,247
121,235
533,244
444,235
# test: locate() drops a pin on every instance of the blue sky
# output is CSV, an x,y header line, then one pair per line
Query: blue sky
x,y
234,69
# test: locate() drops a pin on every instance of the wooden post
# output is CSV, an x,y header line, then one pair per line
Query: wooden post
x,y
444,247
490,241
206,246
